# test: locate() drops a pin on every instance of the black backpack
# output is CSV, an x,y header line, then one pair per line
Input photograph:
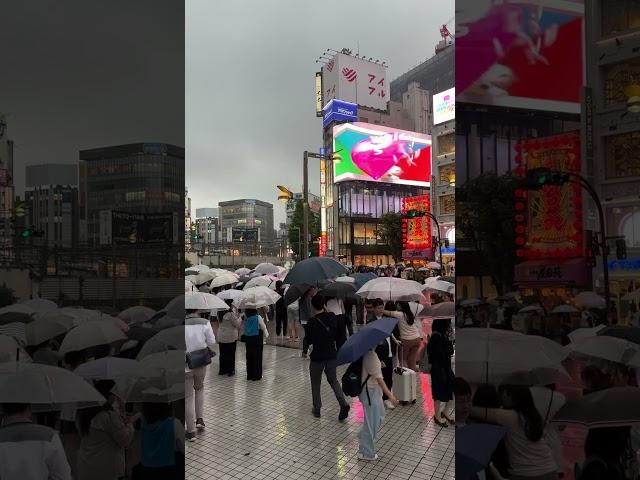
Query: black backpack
x,y
351,385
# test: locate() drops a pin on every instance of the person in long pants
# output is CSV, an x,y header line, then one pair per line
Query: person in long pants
x,y
228,333
373,406
194,398
255,330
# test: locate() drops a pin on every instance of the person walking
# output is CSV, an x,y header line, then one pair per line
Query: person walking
x,y
410,334
343,322
293,322
228,334
373,406
255,332
30,450
305,312
385,352
322,333
199,339
440,351
281,312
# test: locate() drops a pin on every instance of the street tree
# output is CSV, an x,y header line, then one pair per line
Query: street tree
x,y
390,232
296,230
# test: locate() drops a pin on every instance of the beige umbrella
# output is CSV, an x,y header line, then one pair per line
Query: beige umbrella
x,y
46,386
91,334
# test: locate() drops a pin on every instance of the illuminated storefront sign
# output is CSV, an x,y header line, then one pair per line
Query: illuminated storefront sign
x,y
416,231
444,106
339,111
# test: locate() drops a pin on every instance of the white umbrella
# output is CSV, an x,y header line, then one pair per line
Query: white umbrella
x,y
494,356
346,279
263,281
10,350
632,296
198,268
167,360
91,334
548,402
188,286
531,309
137,314
168,321
203,301
106,368
440,286
589,300
168,339
158,377
224,279
243,271
258,297
40,304
434,265
266,269
392,289
565,309
18,308
611,407
444,309
584,332
608,348
56,316
46,386
39,331
15,330
231,294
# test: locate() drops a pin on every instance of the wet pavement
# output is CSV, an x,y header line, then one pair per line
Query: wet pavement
x,y
265,430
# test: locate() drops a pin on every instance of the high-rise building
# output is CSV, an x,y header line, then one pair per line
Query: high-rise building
x,y
611,133
51,204
187,221
246,220
134,178
206,235
207,212
7,191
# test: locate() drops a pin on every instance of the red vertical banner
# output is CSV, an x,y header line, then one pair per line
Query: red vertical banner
x,y
416,231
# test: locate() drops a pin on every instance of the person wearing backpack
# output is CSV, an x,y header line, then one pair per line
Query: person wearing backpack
x,y
372,389
254,331
322,334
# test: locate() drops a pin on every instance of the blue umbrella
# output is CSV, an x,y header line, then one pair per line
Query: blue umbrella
x,y
314,271
362,278
366,339
475,444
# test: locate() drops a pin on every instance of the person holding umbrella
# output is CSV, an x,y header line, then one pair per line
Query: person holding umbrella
x,y
305,313
228,333
254,331
322,334
281,312
440,351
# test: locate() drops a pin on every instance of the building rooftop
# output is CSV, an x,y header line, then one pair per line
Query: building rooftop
x,y
132,149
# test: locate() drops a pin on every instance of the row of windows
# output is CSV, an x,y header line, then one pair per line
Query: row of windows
x,y
619,16
371,201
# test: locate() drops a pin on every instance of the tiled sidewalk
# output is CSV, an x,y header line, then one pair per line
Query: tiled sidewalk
x,y
265,430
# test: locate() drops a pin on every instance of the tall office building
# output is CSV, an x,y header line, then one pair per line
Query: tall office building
x,y
7,191
207,212
246,219
51,204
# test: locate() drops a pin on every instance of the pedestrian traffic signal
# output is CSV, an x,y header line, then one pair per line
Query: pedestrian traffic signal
x,y
537,178
621,249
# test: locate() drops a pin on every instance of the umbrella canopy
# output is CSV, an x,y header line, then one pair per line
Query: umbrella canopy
x,y
200,278
267,269
612,407
434,265
231,294
471,302
203,301
444,309
137,314
11,351
366,339
188,286
440,286
392,289
15,330
15,317
243,271
153,383
565,309
39,331
493,355
361,278
40,305
258,297
90,334
141,334
631,334
198,268
475,445
346,279
294,292
106,368
531,309
632,296
46,386
18,308
224,280
580,333
168,321
548,402
315,269
608,348
262,281
589,300
168,339
339,290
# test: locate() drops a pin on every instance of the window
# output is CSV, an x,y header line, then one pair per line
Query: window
x,y
625,221
446,173
617,77
623,155
447,144
447,204
619,16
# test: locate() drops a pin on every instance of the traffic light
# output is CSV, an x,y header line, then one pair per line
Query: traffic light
x,y
31,232
621,249
284,193
536,178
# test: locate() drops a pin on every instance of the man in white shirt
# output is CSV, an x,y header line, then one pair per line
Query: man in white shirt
x,y
28,450
198,335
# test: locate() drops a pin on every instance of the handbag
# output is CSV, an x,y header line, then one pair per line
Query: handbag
x,y
199,358
424,365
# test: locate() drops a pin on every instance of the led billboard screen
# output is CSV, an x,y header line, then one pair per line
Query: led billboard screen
x,y
444,106
503,49
381,154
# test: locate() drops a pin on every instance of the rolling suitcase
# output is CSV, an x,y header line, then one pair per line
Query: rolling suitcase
x,y
405,385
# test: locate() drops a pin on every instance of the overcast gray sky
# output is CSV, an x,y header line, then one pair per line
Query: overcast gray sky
x,y
82,74
250,66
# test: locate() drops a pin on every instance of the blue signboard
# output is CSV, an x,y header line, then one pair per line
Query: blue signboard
x,y
339,111
629,265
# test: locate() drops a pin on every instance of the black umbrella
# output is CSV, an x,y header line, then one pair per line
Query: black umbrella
x,y
632,334
315,270
15,317
294,292
339,290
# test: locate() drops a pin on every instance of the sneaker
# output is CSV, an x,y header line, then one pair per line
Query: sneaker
x,y
316,413
344,413
200,424
367,459
389,404
190,437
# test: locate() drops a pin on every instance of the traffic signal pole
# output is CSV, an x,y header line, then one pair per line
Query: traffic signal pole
x,y
305,206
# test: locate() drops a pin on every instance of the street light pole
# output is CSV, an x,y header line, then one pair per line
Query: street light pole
x,y
433,217
305,206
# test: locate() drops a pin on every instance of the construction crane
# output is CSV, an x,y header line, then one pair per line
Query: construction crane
x,y
447,36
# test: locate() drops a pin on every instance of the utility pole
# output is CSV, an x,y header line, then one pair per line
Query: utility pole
x,y
305,206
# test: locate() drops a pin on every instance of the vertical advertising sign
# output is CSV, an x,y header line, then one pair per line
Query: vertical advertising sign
x,y
355,80
323,208
319,95
444,106
553,217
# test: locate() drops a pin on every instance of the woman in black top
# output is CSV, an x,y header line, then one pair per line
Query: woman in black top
x,y
440,351
281,311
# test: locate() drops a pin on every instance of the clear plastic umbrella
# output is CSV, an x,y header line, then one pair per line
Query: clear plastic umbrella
x,y
203,301
263,281
258,297
137,314
267,269
11,351
392,289
40,304
91,334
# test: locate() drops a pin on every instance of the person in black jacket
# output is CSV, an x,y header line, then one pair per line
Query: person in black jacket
x,y
281,311
322,334
440,351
